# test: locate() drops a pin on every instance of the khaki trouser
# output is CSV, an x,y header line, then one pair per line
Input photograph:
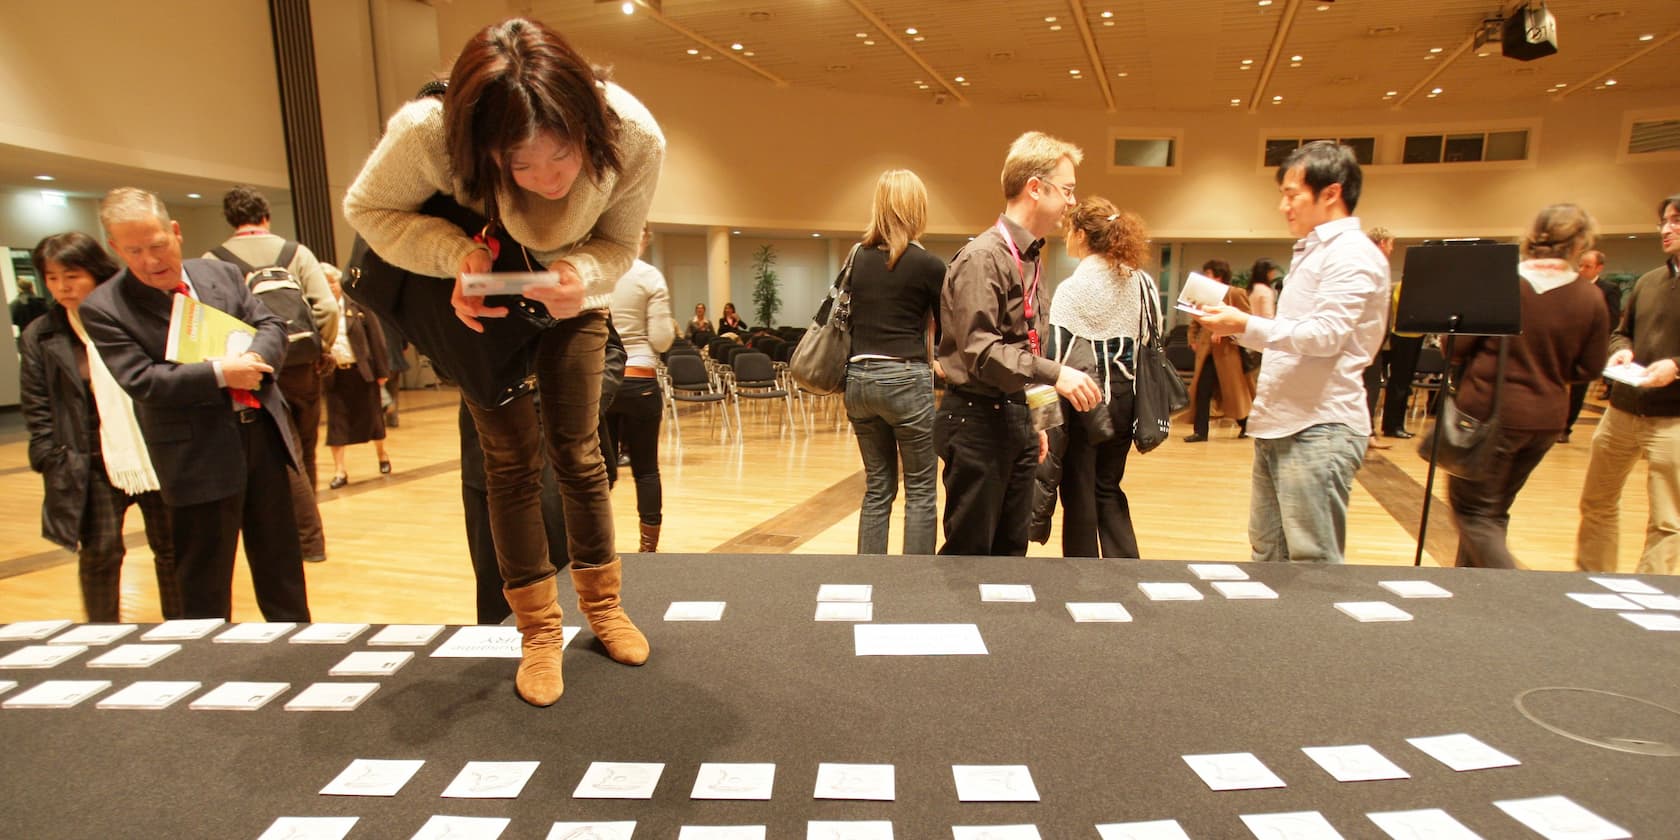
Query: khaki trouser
x,y
1620,441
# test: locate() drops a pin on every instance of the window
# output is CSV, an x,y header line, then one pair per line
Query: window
x,y
1152,152
1278,148
1651,136
1466,147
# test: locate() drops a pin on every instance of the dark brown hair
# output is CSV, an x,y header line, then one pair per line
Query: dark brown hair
x,y
513,81
1217,269
244,206
1114,234
74,250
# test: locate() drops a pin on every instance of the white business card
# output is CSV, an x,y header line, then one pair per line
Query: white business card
x,y
331,697
182,629
134,656
309,828
854,592
411,635
718,780
328,633
1295,825
1654,620
1218,571
7,685
92,634
1462,752
19,631
995,832
918,640
721,832
239,696
371,663
1355,763
1148,830
1373,611
591,830
619,780
1603,601
481,641
150,694
491,780
41,656
695,611
373,777
855,781
1414,588
1233,771
1245,590
1018,593
1559,818
994,783
1097,611
1170,591
56,694
845,611
440,827
1631,585
1429,823
255,632
1655,602
848,830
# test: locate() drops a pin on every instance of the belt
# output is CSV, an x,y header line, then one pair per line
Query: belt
x,y
343,366
638,372
1018,399
248,415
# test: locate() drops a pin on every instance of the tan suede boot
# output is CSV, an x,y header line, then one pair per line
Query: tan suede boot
x,y
597,589
650,538
538,613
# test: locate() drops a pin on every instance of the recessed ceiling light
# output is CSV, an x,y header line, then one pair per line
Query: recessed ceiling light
x,y
1435,50
706,57
918,39
693,52
45,178
1647,37
1246,67
1392,93
815,235
749,53
736,232
1050,19
1437,90
869,43
1108,23
863,34
1055,27
1248,61
1236,102
1075,72
194,195
910,31
1296,58
1560,84
1122,75
965,84
1324,7
1609,82
1264,3
1631,236
1107,15
1430,57
1277,99
629,8
736,47
961,79
1294,64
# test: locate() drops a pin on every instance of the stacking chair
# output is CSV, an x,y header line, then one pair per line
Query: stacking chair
x,y
756,379
690,382
1427,378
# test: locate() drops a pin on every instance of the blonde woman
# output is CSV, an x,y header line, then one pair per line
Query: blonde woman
x,y
889,382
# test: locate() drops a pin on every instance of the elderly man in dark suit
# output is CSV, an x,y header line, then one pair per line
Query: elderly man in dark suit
x,y
215,429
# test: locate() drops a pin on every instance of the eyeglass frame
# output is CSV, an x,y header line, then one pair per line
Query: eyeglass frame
x,y
1665,224
1067,191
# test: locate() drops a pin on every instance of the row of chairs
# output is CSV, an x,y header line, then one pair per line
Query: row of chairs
x,y
726,374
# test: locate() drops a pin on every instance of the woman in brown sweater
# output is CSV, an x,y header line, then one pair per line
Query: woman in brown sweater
x,y
1565,339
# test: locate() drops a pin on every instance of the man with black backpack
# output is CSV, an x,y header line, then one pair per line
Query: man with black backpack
x,y
287,278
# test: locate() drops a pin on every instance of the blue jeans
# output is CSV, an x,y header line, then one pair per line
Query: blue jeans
x,y
1299,501
890,403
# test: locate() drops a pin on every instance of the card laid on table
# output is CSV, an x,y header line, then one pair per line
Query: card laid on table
x,y
490,642
92,634
491,780
1020,593
845,611
331,697
1559,818
1149,830
255,632
1218,571
994,783
1373,611
1097,611
327,633
373,777
19,631
721,832
411,635
619,780
854,592
462,828
371,663
1655,602
1603,601
1245,590
695,611
7,685
1296,825
1414,588
309,828
995,832
41,656
592,830
1355,763
734,781
855,781
1431,823
918,640
133,656
1233,771
56,694
150,694
182,629
1616,584
848,829
1170,591
239,696
1462,752
1654,620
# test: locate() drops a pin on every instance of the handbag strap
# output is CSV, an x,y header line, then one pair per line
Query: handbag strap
x,y
1454,383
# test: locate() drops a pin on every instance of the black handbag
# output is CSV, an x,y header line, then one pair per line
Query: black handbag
x,y
1467,444
1160,391
818,363
491,368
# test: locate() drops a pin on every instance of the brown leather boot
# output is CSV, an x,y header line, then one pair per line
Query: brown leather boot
x,y
537,610
597,589
650,538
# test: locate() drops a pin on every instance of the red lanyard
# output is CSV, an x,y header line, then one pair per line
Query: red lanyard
x,y
1032,288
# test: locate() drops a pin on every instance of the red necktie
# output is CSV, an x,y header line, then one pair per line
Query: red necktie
x,y
240,395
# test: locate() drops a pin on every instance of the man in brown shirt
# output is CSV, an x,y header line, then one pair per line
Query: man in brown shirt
x,y
992,311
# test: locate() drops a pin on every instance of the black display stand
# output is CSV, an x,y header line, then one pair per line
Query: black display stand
x,y
1456,287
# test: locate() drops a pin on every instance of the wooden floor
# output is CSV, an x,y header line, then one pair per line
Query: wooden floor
x,y
397,550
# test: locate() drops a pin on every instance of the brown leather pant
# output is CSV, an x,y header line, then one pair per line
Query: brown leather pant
x,y
569,361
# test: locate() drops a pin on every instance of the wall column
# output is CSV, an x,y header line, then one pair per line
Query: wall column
x,y
300,113
717,271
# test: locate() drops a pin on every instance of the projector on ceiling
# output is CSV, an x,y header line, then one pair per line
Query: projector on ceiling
x,y
1530,33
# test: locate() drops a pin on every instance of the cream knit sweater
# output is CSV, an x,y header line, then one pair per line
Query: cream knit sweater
x,y
595,228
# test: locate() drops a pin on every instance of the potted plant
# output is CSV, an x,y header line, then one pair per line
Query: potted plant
x,y
767,295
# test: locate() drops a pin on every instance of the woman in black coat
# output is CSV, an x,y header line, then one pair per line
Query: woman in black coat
x,y
354,414
82,510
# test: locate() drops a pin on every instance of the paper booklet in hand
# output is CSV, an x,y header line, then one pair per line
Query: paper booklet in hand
x,y
1200,292
1631,373
199,332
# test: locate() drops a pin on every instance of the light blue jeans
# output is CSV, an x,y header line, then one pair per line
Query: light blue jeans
x,y
1299,501
890,404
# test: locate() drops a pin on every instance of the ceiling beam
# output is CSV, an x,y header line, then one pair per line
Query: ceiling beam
x,y
1605,73
1077,7
887,32
1286,22
1468,44
648,8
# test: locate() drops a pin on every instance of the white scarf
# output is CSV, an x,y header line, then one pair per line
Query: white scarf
x,y
1098,302
127,462
1546,275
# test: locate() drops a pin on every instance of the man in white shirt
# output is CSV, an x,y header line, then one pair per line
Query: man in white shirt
x,y
1309,419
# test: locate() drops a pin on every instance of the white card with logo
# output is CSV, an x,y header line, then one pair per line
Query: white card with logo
x,y
327,633
619,780
373,777
371,663
1637,587
1170,591
845,611
995,832
848,830
150,694
1655,602
92,634
239,696
1414,588
1373,611
994,783
41,656
491,780
1233,771
19,631
1218,571
309,828
411,635
1018,593
255,632
695,611
495,641
591,830
7,685
721,832
56,694
1462,752
855,781
462,828
918,640
1150,830
1355,763
734,781
133,656
1295,825
856,593
1654,620
331,697
1603,601
1245,590
1427,823
1559,818
182,629
1097,611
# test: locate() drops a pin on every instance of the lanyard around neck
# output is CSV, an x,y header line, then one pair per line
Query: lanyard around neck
x,y
1032,288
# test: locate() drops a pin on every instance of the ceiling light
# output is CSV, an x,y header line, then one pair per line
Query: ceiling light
x,y
1236,102
1392,93
1436,50
918,39
1296,58
693,52
1108,23
869,43
1248,61
1430,57
1107,15
749,53
1277,99
629,8
1294,64
736,232
1647,37
1055,27
1050,19
706,57
1560,84
736,47
44,178
863,34
1324,7
1264,3
1609,82
1122,75
961,79
910,31
1246,67
815,235
194,195
1075,72
1436,91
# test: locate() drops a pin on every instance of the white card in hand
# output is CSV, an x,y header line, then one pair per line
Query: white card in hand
x,y
371,663
994,783
1295,825
695,611
995,832
854,592
477,641
1150,830
1097,611
1430,823
133,656
239,696
309,828
1655,602
855,781
255,632
1373,611
406,634
1637,587
1654,620
327,633
1218,571
1245,590
592,830
491,780
1559,818
1414,589
845,611
41,656
331,697
150,694
1356,763
721,832
56,694
373,777
734,781
1011,592
1170,592
182,629
1462,752
848,830
92,634
1233,771
462,828
618,780
1604,601
917,640
19,631
479,284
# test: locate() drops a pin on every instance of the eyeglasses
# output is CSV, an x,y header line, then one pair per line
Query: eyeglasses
x,y
1665,224
1067,190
